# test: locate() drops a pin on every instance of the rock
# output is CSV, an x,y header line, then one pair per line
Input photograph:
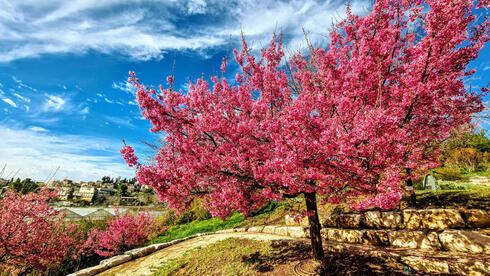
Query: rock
x,y
349,221
434,219
413,239
269,229
375,237
342,235
431,241
257,229
290,220
382,220
465,241
282,231
477,218
297,232
143,251
239,230
89,271
469,267
116,260
422,264
330,221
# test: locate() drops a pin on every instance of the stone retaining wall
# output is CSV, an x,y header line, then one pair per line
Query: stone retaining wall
x,y
410,219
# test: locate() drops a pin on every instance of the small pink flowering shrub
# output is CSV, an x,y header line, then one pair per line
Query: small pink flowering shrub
x,y
124,232
32,234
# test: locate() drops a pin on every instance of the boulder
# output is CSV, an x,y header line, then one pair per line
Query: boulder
x,y
477,218
269,229
382,220
465,241
330,221
349,221
470,267
89,271
413,239
431,242
116,260
282,231
291,221
422,264
434,219
375,237
143,251
342,235
255,229
297,232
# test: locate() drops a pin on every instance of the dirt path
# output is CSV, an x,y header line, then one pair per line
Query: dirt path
x,y
146,265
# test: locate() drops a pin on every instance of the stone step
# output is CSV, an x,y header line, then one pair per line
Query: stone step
x,y
449,240
421,261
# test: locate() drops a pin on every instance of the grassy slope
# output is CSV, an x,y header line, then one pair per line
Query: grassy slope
x,y
195,227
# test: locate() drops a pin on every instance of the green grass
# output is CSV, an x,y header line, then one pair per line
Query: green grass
x,y
228,257
195,227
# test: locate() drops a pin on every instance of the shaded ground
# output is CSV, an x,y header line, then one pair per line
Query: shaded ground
x,y
277,257
146,265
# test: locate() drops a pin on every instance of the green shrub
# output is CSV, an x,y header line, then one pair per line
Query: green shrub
x,y
448,173
195,227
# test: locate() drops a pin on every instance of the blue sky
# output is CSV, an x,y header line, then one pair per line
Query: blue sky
x,y
64,99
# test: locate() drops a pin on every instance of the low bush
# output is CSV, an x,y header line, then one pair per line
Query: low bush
x,y
124,232
448,173
195,227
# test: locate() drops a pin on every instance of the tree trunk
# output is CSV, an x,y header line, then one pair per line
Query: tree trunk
x,y
413,198
315,227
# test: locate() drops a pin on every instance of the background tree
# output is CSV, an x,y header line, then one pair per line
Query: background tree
x,y
25,186
354,126
32,234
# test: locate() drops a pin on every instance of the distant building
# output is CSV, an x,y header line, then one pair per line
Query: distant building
x,y
86,193
66,193
105,192
67,182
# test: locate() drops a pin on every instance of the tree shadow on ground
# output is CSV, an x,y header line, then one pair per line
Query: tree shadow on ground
x,y
347,262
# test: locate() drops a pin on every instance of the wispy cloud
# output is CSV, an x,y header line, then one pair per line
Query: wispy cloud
x,y
54,103
21,84
145,30
124,86
37,129
10,102
25,99
37,153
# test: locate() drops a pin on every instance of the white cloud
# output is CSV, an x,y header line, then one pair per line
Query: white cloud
x,y
486,68
108,101
21,84
54,103
10,102
37,129
85,110
132,103
22,98
37,153
124,86
145,30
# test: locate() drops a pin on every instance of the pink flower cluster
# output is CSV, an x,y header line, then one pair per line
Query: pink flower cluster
x,y
32,234
124,232
351,122
129,156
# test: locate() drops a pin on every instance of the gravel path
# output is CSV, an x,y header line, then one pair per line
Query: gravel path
x,y
146,265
